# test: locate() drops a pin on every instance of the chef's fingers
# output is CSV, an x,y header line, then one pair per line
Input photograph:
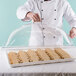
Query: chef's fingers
x,y
38,17
34,19
35,15
72,35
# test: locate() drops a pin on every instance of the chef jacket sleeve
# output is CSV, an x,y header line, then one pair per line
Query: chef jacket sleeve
x,y
69,14
24,9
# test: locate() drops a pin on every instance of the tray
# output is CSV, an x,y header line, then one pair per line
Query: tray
x,y
16,49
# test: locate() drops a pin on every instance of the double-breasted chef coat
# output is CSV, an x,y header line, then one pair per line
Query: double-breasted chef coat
x,y
51,13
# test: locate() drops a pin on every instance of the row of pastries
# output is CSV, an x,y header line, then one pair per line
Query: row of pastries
x,y
37,55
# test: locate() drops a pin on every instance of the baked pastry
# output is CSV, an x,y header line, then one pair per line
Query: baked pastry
x,y
13,57
23,56
32,55
52,54
42,55
62,53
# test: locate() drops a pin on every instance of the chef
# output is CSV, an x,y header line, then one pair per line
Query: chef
x,y
46,14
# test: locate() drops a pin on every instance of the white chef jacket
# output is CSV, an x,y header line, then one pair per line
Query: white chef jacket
x,y
51,13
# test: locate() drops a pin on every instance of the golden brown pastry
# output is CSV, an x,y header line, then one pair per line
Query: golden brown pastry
x,y
13,57
42,55
52,54
32,55
23,56
62,53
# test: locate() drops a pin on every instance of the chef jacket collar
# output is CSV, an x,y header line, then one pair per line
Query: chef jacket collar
x,y
47,0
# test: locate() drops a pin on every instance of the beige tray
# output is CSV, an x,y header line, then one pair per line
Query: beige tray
x,y
16,49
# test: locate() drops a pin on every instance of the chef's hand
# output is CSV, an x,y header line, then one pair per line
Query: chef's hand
x,y
33,16
72,33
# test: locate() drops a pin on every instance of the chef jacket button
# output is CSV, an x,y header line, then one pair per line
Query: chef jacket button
x,y
42,18
55,10
54,37
43,28
41,1
44,36
55,19
42,10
